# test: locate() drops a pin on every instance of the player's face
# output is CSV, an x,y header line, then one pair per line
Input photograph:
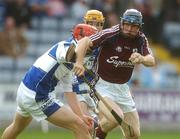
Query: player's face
x,y
130,30
98,25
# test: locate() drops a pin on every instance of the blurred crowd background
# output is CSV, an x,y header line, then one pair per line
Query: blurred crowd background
x,y
30,27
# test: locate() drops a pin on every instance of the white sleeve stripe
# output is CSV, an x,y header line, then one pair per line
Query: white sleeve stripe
x,y
41,63
106,31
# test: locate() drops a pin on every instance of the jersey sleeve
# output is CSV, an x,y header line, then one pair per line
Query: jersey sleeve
x,y
61,52
145,49
98,38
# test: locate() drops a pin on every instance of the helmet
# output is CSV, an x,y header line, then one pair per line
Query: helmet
x,y
94,15
78,32
132,16
82,30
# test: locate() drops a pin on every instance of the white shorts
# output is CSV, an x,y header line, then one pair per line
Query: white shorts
x,y
86,97
27,105
119,93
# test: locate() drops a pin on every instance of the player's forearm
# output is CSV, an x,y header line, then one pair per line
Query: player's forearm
x,y
73,103
82,48
148,61
137,58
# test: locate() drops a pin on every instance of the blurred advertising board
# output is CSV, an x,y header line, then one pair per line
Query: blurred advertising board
x,y
158,105
7,101
153,105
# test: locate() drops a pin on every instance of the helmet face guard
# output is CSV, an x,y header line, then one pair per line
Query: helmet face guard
x,y
132,16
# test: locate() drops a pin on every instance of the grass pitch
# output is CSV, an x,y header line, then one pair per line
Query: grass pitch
x,y
64,134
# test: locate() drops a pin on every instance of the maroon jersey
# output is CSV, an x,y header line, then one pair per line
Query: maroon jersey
x,y
113,63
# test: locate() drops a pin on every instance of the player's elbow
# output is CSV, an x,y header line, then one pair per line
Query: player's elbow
x,y
149,61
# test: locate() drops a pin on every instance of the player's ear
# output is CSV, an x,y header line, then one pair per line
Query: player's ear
x,y
71,55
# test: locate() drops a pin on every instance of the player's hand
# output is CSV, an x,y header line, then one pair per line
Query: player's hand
x,y
78,69
89,121
136,58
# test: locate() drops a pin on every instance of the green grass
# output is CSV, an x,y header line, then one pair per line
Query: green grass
x,y
64,134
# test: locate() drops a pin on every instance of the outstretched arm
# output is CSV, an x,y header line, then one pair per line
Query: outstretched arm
x,y
83,45
73,103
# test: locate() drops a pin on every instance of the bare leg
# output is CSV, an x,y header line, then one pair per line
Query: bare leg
x,y
18,125
132,119
102,108
84,107
133,132
107,121
64,117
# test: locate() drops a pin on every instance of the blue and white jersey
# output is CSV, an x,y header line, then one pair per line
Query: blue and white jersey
x,y
48,69
89,64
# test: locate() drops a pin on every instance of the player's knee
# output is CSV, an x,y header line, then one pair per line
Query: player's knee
x,y
133,135
138,134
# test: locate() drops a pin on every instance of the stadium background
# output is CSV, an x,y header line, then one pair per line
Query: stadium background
x,y
44,22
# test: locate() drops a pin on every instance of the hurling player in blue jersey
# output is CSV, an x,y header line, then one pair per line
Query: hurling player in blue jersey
x,y
35,97
121,48
96,19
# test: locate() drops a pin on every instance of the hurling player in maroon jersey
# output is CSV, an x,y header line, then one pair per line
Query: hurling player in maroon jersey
x,y
121,48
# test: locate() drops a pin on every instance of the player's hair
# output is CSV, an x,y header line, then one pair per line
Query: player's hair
x,y
132,16
83,30
94,15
